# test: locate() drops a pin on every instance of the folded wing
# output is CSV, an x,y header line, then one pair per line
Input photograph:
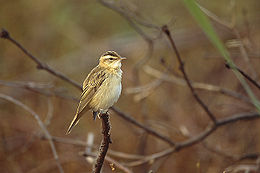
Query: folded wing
x,y
91,84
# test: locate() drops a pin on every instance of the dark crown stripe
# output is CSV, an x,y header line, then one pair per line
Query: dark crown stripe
x,y
111,53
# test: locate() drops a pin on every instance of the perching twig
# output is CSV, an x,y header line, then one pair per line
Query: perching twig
x,y
41,124
105,143
181,66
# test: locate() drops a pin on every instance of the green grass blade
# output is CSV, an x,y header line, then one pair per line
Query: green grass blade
x,y
208,29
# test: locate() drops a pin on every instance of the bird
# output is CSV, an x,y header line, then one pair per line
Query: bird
x,y
101,88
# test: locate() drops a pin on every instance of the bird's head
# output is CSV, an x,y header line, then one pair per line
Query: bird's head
x,y
111,59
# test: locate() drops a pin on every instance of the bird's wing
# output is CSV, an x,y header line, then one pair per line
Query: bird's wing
x,y
91,84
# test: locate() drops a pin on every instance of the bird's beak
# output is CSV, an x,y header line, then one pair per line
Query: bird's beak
x,y
122,58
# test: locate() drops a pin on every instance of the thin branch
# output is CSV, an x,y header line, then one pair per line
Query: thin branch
x,y
126,117
231,26
41,124
43,89
248,156
218,151
49,115
76,142
29,84
142,92
196,85
196,139
247,168
110,160
129,19
132,20
147,129
181,66
105,143
5,34
118,165
40,65
200,137
246,76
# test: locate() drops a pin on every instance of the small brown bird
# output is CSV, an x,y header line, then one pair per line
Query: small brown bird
x,y
101,88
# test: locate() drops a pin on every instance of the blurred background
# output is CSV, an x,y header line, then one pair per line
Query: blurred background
x,y
71,35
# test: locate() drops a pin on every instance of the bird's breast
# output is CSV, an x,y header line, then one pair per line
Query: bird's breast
x,y
107,94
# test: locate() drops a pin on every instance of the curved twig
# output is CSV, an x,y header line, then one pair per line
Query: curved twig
x,y
196,85
181,66
147,129
196,139
41,124
40,65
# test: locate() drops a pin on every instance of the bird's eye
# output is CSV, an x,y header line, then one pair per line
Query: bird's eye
x,y
111,59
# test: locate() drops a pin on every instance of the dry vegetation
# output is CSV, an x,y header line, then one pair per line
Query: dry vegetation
x,y
160,124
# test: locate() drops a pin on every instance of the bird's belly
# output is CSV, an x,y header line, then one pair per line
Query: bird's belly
x,y
106,95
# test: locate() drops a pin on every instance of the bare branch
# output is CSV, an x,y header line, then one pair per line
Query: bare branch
x,y
241,46
196,85
49,115
76,142
196,139
110,160
5,34
231,26
132,20
181,66
176,146
246,76
118,165
144,91
147,129
39,88
40,65
250,156
105,143
41,124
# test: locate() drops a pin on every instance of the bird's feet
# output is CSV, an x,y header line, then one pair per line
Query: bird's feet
x,y
95,114
98,114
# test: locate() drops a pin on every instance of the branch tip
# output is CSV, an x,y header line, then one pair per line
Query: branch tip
x,y
4,34
166,30
162,60
227,65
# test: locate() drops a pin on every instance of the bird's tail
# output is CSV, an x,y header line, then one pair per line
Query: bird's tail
x,y
75,120
73,123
